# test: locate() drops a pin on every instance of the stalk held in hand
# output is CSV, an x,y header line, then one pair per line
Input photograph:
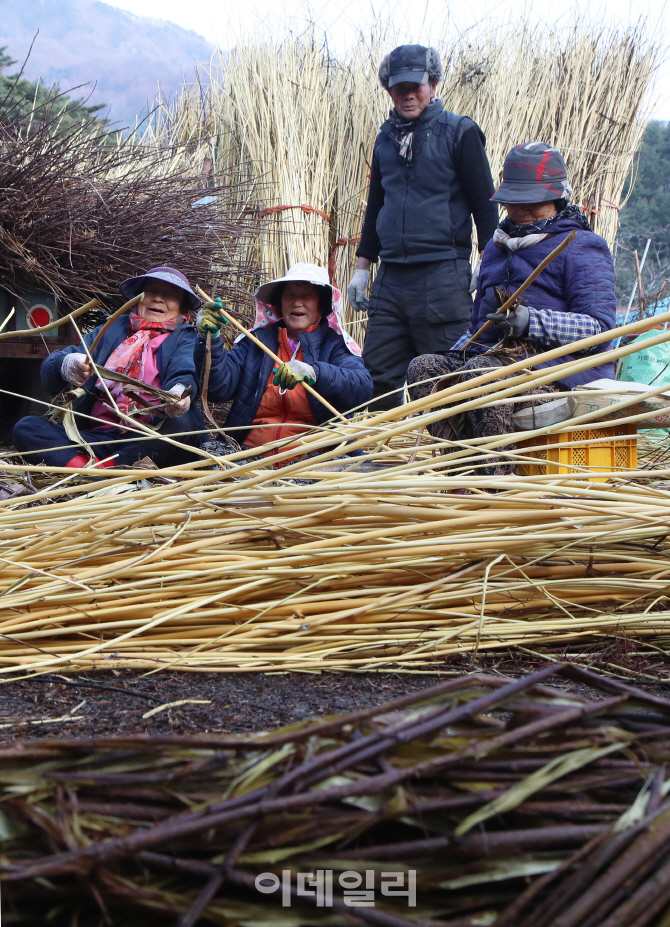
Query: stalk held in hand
x,y
524,286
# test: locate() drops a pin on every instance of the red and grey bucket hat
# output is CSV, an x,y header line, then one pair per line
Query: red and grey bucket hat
x,y
134,285
533,173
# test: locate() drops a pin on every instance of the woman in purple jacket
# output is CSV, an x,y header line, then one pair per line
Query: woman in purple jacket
x,y
573,298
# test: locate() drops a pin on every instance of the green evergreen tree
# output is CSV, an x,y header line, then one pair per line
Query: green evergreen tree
x,y
646,215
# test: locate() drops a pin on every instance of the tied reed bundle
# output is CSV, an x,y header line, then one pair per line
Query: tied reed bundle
x,y
511,803
304,121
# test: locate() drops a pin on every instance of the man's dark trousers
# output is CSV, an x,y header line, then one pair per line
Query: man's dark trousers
x,y
414,309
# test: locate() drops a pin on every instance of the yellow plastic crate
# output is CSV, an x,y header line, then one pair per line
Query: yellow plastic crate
x,y
602,450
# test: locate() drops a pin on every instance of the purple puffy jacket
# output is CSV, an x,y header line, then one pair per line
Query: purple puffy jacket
x,y
581,279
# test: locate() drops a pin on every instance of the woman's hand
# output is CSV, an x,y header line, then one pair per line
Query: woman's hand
x,y
287,376
76,369
211,318
511,324
175,409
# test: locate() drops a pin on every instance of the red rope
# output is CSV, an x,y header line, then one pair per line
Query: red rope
x,y
332,258
306,209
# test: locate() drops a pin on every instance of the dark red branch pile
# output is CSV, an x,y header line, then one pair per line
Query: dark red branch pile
x,y
78,214
516,804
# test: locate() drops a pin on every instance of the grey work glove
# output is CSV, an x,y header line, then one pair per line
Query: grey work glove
x,y
474,280
356,290
177,409
511,324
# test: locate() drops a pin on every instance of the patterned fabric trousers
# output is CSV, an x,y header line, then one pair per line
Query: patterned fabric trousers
x,y
477,423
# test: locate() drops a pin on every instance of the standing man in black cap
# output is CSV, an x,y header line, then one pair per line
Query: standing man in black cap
x,y
430,176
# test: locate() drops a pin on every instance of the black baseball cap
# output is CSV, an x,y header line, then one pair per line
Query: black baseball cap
x,y
409,63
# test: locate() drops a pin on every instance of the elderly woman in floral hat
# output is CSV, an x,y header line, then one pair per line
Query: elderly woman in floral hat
x,y
154,344
298,317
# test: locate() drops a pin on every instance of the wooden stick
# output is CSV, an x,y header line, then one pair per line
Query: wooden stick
x,y
56,324
524,286
113,317
641,296
7,319
263,347
205,382
204,386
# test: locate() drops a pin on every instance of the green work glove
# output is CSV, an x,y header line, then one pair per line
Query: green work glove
x,y
211,318
287,376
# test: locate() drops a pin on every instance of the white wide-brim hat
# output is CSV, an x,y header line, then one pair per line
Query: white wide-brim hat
x,y
304,273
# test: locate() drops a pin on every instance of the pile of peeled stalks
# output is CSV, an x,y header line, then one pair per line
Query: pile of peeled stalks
x,y
480,801
380,575
307,560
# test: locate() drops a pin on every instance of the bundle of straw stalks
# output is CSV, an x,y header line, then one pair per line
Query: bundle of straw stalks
x,y
505,802
304,119
80,211
324,564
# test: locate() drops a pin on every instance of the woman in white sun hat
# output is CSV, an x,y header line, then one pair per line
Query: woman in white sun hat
x,y
298,317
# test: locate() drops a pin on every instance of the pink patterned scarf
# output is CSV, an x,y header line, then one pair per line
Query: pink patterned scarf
x,y
135,357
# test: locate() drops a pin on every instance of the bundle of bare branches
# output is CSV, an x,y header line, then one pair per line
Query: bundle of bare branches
x,y
81,210
480,801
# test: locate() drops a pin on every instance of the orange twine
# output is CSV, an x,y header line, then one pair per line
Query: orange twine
x,y
306,209
332,258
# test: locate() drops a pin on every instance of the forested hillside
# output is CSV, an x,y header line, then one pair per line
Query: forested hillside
x,y
121,58
646,215
23,101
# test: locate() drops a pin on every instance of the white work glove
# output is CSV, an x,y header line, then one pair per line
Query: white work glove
x,y
75,369
175,409
356,290
475,277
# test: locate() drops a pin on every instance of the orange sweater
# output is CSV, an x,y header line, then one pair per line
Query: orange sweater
x,y
290,413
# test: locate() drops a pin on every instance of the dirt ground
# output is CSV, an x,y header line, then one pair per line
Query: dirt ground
x,y
118,702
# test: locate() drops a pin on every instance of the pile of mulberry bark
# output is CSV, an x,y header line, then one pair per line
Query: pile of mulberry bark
x,y
516,803
81,210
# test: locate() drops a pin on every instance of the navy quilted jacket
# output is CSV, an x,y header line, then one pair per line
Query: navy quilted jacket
x,y
174,359
242,373
581,279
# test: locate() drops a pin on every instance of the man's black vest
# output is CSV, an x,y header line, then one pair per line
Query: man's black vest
x,y
425,216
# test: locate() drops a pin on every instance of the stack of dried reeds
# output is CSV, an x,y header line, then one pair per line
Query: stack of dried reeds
x,y
250,568
305,120
480,801
311,568
80,211
377,576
